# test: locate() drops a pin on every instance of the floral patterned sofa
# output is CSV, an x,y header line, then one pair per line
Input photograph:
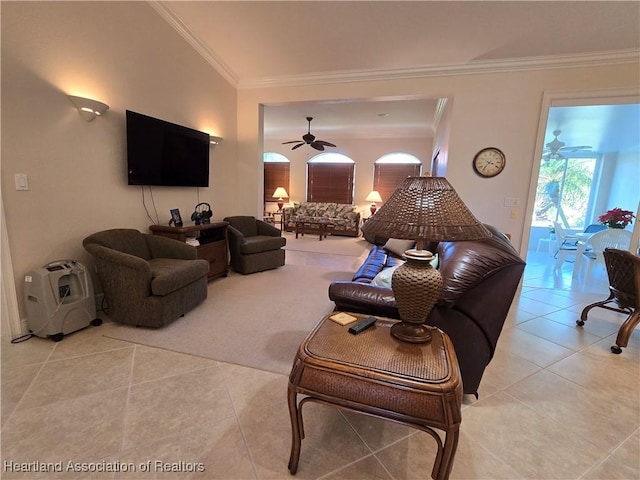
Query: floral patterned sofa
x,y
344,218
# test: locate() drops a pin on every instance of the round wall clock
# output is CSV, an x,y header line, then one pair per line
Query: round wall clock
x,y
489,162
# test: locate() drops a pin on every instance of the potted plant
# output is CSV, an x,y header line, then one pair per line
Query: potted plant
x,y
616,218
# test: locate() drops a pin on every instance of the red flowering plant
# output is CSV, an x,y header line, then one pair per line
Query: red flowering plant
x,y
616,218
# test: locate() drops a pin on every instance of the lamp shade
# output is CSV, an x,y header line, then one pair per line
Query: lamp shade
x,y
374,197
426,208
280,193
421,209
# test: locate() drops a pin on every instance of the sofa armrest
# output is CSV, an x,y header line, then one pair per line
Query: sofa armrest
x,y
266,229
287,212
122,271
236,239
363,298
122,259
163,247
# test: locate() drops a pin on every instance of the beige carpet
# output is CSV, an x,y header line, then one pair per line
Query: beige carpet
x,y
333,244
256,320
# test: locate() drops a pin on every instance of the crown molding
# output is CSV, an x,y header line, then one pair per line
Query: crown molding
x,y
477,67
193,40
346,76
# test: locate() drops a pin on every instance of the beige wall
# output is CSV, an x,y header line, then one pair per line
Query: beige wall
x,y
490,109
364,152
126,55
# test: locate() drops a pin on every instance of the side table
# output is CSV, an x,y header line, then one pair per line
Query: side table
x,y
213,243
274,218
418,385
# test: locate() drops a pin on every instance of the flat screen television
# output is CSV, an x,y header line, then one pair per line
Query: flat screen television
x,y
163,153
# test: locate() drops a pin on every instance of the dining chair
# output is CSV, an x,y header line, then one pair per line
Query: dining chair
x,y
567,245
623,269
594,227
593,253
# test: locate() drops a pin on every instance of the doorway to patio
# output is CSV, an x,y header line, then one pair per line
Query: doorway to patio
x,y
588,162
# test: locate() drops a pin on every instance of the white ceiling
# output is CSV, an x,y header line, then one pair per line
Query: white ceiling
x,y
604,128
261,43
357,118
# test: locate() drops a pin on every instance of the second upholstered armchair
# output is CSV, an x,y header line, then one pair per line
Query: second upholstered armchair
x,y
254,245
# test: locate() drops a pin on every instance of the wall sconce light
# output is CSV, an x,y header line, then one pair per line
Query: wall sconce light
x,y
213,140
88,108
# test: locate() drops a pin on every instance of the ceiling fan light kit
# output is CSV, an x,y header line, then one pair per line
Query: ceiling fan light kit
x,y
555,148
309,139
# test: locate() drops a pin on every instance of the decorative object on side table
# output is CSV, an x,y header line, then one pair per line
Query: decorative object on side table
x,y
373,197
176,219
424,209
616,218
202,214
280,194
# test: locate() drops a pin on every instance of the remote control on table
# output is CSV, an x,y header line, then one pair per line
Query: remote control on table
x,y
362,325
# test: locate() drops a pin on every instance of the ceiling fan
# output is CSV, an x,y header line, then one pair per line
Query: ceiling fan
x,y
310,139
555,148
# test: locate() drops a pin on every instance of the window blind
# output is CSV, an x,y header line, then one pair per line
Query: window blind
x,y
330,182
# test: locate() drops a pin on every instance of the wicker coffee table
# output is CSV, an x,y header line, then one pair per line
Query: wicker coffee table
x,y
313,226
415,384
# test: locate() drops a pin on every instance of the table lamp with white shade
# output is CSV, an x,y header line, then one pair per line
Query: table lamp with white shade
x,y
280,194
373,197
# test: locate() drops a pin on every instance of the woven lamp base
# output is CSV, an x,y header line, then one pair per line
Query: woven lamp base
x,y
416,287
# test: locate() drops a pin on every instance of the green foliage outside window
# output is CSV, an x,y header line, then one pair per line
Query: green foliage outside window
x,y
563,192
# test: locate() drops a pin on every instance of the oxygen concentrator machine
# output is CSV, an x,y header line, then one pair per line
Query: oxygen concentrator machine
x,y
60,300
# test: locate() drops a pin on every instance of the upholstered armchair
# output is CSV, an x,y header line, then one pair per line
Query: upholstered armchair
x,y
147,280
254,245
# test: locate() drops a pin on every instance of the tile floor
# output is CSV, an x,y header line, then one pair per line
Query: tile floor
x,y
554,404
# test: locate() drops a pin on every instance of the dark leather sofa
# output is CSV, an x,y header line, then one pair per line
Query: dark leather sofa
x,y
480,280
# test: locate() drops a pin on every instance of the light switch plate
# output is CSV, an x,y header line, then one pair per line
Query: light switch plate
x,y
22,183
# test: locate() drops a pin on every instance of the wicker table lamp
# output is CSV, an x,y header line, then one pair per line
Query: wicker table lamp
x,y
424,209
